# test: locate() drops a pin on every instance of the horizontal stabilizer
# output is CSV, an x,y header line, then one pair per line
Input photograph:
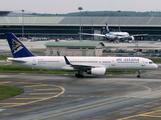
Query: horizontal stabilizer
x,y
14,60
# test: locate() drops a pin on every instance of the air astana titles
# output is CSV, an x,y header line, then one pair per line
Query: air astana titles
x,y
127,59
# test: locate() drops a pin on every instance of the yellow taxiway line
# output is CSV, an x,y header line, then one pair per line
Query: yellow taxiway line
x,y
142,115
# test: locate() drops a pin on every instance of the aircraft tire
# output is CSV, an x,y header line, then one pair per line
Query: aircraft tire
x,y
138,76
79,76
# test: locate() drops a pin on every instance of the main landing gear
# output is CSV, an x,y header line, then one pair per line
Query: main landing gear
x,y
138,76
79,74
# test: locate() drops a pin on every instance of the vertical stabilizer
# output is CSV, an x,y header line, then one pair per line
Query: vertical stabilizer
x,y
107,29
17,48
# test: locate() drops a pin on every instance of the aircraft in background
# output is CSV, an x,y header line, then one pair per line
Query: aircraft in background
x,y
91,65
116,36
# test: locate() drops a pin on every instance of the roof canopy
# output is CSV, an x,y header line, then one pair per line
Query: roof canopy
x,y
86,21
73,44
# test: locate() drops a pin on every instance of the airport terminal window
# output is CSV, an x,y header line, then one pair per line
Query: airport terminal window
x,y
73,48
91,48
51,52
106,61
98,48
84,61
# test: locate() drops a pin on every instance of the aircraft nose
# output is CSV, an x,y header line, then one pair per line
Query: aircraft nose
x,y
156,66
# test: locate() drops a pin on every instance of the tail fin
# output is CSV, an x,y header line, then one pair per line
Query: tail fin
x,y
17,48
107,29
58,53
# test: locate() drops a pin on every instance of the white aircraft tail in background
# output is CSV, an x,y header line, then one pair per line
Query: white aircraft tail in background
x,y
91,65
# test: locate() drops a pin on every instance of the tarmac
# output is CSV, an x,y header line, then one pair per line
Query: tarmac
x,y
64,97
40,45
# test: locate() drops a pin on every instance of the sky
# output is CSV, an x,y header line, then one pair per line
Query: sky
x,y
68,6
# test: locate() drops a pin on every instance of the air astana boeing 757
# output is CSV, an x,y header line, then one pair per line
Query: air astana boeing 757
x,y
91,65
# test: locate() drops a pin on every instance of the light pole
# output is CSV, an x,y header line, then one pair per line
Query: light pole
x,y
80,37
92,28
23,23
119,19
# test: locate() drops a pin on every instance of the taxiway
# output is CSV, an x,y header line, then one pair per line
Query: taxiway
x,y
64,97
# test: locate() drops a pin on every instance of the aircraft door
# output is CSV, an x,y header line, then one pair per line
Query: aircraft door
x,y
143,63
61,62
34,62
113,63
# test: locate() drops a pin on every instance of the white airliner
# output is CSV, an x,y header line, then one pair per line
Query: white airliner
x,y
90,65
116,35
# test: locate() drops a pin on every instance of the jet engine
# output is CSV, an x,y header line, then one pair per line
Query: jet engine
x,y
132,38
97,71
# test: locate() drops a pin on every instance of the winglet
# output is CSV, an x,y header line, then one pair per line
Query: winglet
x,y
17,48
67,61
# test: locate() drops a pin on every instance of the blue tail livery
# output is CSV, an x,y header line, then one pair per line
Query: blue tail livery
x,y
17,48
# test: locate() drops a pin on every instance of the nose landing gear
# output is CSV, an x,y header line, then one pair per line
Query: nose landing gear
x,y
138,76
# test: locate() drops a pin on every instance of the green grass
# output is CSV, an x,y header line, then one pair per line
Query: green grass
x,y
3,57
7,91
20,69
156,60
121,71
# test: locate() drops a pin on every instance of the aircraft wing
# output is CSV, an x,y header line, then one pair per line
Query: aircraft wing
x,y
81,66
139,35
93,34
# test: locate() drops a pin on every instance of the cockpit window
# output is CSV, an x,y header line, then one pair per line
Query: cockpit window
x,y
150,62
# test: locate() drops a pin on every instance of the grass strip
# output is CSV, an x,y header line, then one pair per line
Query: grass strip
x,y
20,69
156,60
7,91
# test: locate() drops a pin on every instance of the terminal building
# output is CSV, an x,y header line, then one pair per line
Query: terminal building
x,y
74,48
68,27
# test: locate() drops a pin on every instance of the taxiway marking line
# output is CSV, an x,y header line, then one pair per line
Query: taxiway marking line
x,y
42,93
37,85
29,98
83,108
143,114
8,64
63,90
150,116
12,103
150,90
49,89
110,74
80,96
5,82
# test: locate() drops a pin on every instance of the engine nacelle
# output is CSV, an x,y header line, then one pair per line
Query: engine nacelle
x,y
97,71
132,38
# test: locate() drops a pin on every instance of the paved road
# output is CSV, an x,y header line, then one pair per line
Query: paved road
x,y
64,97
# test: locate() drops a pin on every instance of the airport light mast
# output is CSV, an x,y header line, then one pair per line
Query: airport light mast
x,y
80,37
22,24
119,19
